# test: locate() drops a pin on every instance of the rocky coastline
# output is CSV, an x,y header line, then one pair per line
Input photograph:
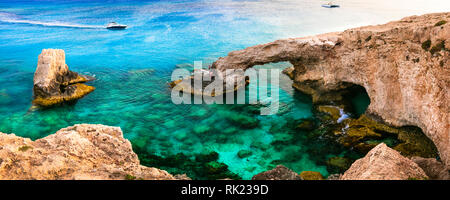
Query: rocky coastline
x,y
403,66
89,151
79,152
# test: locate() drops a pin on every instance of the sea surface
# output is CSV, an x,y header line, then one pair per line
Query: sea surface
x,y
132,68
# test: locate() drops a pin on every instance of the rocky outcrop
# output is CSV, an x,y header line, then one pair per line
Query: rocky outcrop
x,y
403,65
434,169
283,173
78,152
384,163
54,83
278,173
203,83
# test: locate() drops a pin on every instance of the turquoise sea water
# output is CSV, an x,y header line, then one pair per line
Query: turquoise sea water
x,y
132,69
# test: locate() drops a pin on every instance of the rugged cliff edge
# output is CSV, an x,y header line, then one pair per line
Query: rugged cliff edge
x,y
78,152
403,65
54,83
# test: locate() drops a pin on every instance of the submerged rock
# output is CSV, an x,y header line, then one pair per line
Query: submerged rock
x,y
243,121
384,163
78,152
244,153
207,157
208,87
333,111
365,133
201,129
204,166
306,125
311,176
278,173
338,164
215,167
54,83
218,170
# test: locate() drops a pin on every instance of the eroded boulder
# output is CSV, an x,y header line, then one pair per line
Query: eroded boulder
x,y
384,163
278,173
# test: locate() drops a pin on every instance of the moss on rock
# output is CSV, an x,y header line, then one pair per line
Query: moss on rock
x,y
415,143
364,133
355,134
311,175
130,177
438,47
338,164
426,45
25,148
332,111
440,23
79,90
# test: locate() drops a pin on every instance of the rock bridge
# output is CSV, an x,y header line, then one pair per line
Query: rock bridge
x,y
403,65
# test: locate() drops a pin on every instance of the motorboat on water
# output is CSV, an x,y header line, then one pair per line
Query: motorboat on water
x,y
116,26
330,5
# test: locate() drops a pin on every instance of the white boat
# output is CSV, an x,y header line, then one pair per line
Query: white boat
x,y
114,25
330,5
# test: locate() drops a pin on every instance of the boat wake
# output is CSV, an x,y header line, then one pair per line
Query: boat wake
x,y
10,18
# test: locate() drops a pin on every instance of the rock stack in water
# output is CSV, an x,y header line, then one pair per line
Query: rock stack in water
x,y
54,83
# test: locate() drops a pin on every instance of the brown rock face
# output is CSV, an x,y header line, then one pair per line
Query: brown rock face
x,y
54,83
384,163
403,65
434,169
278,173
78,152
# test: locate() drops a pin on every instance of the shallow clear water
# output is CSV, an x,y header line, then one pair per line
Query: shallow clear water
x,y
133,68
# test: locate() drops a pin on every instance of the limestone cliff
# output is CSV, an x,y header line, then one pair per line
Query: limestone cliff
x,y
78,152
54,83
403,65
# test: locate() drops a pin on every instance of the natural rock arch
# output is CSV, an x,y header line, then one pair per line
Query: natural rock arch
x,y
407,83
